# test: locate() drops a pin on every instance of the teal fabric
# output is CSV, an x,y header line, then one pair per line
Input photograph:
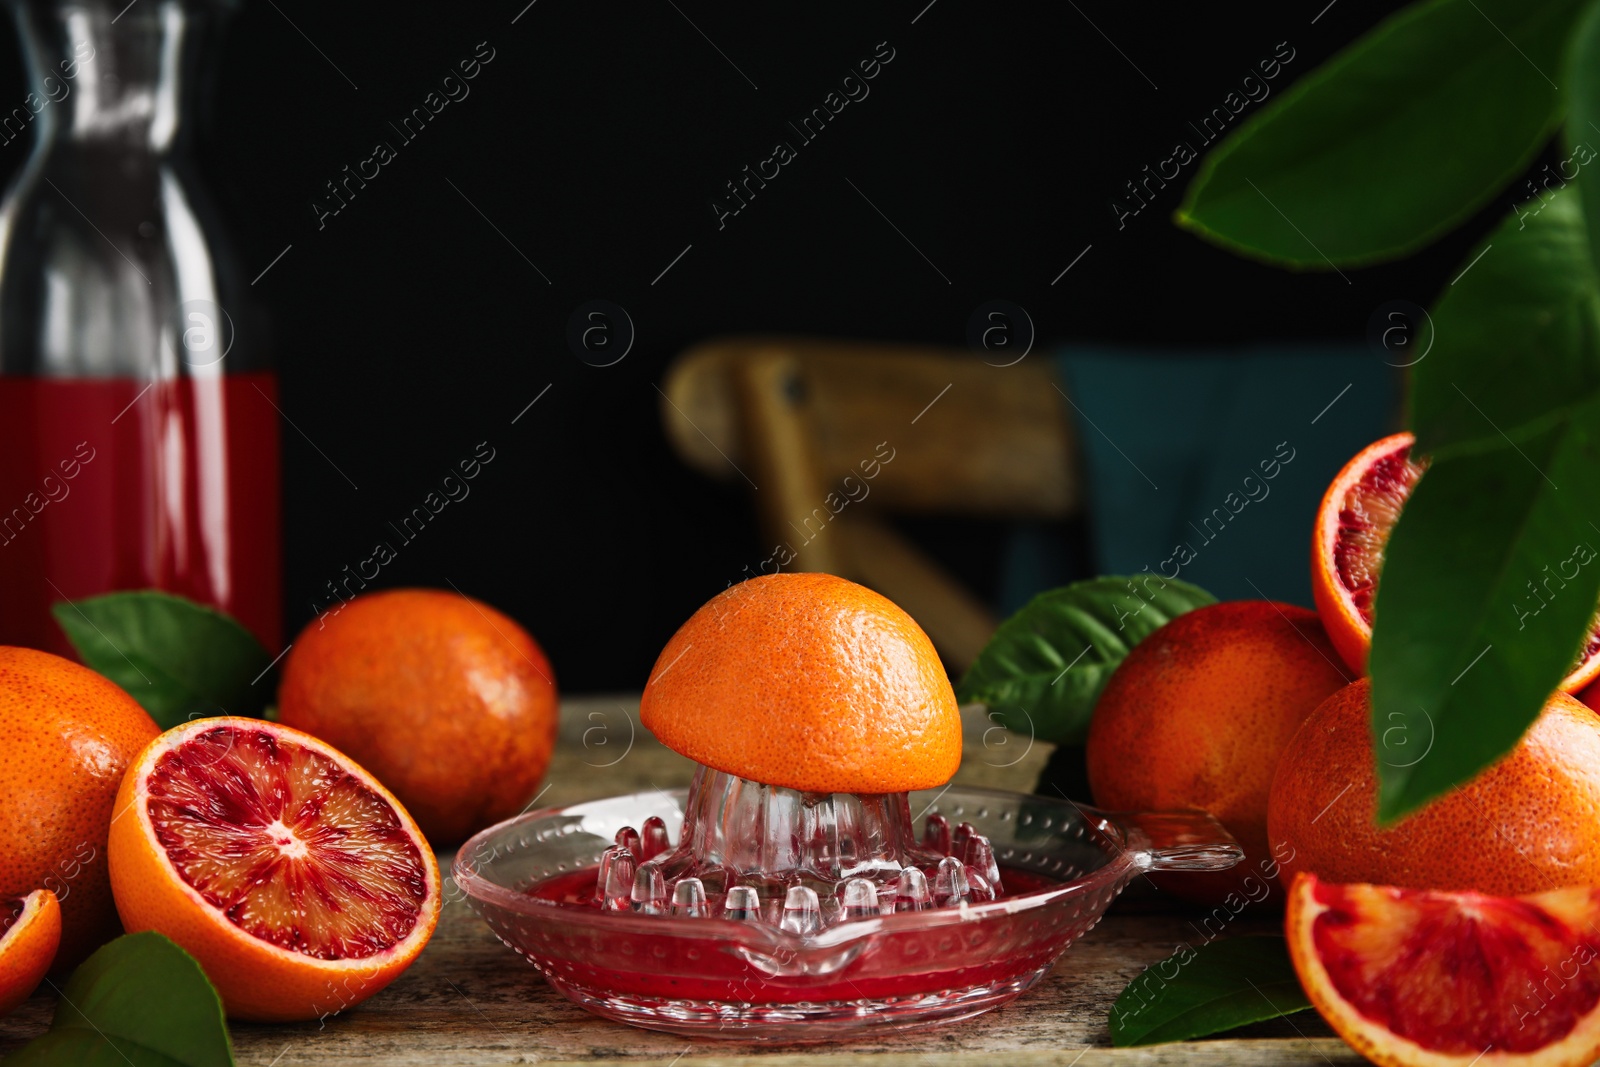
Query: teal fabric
x,y
1209,466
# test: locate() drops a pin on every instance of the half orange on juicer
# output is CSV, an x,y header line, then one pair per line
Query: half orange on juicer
x,y
809,682
786,895
814,706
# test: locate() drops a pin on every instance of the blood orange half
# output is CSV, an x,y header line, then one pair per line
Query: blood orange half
x,y
1357,514
299,883
1446,979
30,933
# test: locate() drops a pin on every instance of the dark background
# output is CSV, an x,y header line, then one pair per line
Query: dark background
x,y
408,329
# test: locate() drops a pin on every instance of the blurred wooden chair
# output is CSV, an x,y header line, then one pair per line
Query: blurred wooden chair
x,y
804,421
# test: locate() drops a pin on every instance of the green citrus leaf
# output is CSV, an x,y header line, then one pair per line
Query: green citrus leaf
x,y
1490,582
1583,124
1516,337
138,1000
1042,671
1219,986
175,657
1393,142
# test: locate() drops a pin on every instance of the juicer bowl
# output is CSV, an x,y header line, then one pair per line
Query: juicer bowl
x,y
532,879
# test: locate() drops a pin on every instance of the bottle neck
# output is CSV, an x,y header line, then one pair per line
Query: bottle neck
x,y
114,72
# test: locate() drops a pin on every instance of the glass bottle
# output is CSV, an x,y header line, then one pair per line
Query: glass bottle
x,y
138,418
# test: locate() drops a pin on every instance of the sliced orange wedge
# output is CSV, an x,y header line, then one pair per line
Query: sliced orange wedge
x,y
30,933
1425,978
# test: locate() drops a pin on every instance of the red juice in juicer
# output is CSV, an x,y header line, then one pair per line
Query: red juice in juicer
x,y
789,894
138,418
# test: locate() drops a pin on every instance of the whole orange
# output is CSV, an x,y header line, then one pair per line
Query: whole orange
x,y
66,736
1197,715
807,681
1528,823
448,702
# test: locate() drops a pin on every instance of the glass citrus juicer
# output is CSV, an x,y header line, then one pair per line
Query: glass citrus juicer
x,y
788,893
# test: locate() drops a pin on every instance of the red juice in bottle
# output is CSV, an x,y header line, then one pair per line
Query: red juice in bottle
x,y
115,483
138,427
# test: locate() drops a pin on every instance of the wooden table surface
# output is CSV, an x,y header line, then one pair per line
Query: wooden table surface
x,y
468,1000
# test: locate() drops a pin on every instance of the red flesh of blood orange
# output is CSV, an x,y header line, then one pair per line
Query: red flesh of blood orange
x,y
1358,513
277,862
1369,511
1411,977
291,848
